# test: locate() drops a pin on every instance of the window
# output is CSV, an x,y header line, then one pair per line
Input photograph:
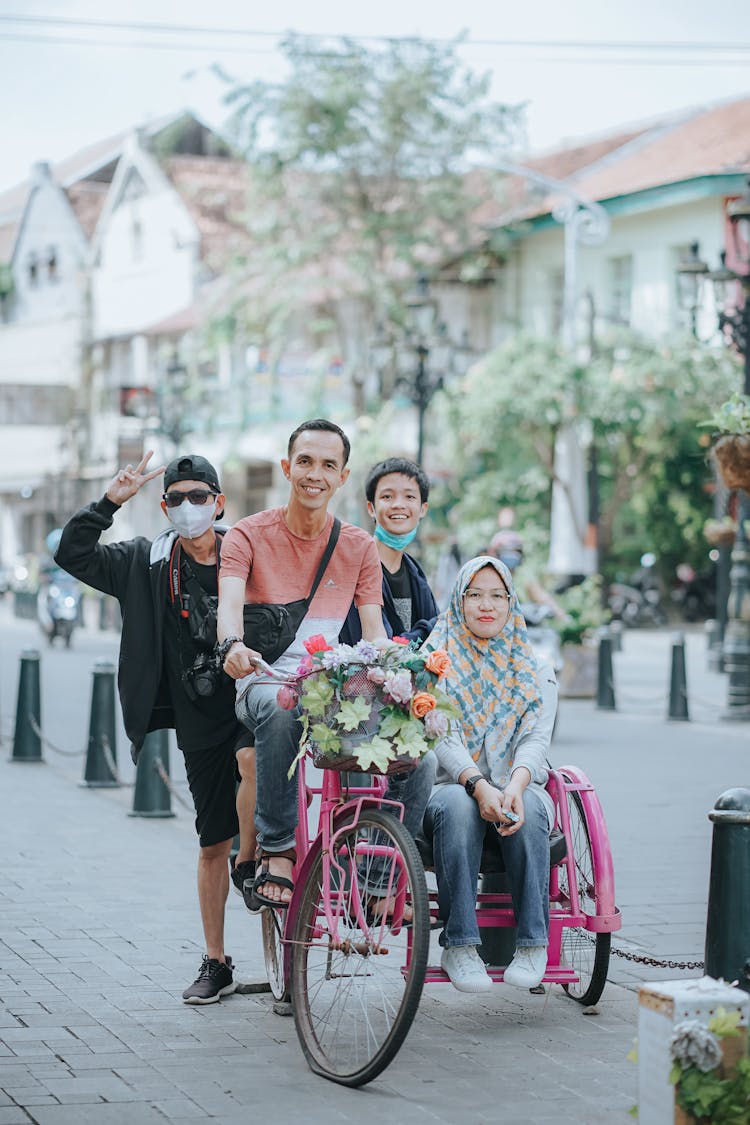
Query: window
x,y
32,271
52,274
619,288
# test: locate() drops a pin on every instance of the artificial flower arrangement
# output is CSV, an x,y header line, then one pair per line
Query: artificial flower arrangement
x,y
710,1070
369,709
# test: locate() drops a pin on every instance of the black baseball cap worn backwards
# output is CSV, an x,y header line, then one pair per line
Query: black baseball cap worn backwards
x,y
191,467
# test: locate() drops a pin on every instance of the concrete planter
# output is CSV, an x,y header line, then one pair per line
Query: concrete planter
x,y
578,676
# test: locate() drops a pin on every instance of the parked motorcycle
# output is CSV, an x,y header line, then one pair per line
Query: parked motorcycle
x,y
638,602
58,608
695,594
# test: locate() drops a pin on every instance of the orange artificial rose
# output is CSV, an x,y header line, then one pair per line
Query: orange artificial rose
x,y
438,662
422,703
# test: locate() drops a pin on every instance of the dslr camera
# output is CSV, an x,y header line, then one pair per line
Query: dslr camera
x,y
203,676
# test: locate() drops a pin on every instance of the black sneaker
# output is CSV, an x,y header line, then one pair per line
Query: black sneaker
x,y
213,981
243,877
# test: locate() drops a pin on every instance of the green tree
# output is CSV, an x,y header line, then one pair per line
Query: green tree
x,y
360,161
639,402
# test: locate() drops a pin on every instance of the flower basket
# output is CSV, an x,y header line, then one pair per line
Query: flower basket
x,y
369,710
732,456
357,686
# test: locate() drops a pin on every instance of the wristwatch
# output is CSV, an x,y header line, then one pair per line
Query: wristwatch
x,y
225,646
471,782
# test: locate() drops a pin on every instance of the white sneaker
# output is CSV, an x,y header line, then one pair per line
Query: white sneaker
x,y
465,968
527,967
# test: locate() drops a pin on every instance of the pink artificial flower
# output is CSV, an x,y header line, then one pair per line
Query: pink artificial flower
x,y
398,686
400,640
305,666
436,724
318,643
287,697
376,675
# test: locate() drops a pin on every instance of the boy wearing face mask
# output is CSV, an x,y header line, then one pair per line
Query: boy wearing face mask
x,y
397,492
167,590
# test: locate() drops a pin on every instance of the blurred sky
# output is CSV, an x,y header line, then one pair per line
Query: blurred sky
x,y
66,85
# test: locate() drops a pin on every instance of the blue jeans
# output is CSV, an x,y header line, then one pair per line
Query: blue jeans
x,y
277,734
457,831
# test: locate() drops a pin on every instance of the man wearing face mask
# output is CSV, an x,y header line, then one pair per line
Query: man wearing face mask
x,y
168,678
397,491
507,545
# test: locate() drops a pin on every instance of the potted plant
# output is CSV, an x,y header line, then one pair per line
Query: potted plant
x,y
720,532
585,614
731,451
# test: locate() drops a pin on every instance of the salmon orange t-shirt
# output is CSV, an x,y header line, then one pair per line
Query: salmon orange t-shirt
x,y
279,567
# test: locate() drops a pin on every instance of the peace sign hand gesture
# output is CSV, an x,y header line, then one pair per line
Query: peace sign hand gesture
x,y
126,482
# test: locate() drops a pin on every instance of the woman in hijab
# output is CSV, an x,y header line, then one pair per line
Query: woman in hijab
x,y
491,770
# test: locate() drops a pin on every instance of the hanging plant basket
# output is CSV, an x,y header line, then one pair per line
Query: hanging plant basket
x,y
732,455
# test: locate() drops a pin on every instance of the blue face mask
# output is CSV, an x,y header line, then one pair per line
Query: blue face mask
x,y
397,542
511,559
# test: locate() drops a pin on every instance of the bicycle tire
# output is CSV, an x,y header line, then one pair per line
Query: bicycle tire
x,y
272,928
586,952
353,1004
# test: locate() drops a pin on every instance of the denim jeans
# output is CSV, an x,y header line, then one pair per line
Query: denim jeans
x,y
413,790
276,734
457,831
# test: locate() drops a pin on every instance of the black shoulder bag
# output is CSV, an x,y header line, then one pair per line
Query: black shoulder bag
x,y
269,628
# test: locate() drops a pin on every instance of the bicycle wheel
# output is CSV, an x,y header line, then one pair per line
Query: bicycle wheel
x,y
585,952
356,986
272,927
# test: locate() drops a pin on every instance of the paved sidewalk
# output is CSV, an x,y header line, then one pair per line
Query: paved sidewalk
x,y
99,934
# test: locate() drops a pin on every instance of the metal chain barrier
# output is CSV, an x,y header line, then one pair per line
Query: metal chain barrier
x,y
111,764
50,745
653,962
159,767
642,959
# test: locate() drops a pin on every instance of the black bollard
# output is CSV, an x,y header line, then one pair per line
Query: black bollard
x,y
728,923
615,632
678,700
101,756
151,796
605,688
27,743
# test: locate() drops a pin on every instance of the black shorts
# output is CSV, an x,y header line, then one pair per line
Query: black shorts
x,y
212,775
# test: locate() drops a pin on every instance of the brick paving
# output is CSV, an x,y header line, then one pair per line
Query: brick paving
x,y
99,934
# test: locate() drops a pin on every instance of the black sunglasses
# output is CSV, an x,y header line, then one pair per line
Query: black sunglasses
x,y
195,496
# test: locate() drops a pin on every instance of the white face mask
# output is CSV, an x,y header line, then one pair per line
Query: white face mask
x,y
191,520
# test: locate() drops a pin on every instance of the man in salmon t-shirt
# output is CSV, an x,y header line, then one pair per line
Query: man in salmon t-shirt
x,y
273,556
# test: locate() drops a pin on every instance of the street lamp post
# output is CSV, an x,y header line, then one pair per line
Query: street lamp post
x,y
425,339
734,325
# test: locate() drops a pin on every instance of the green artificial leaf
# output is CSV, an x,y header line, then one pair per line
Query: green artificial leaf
x,y
327,740
410,739
352,713
632,1055
377,752
675,1073
725,1024
392,721
317,694
633,1111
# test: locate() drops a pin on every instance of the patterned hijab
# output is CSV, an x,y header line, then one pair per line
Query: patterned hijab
x,y
493,681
